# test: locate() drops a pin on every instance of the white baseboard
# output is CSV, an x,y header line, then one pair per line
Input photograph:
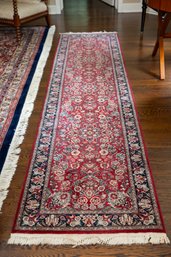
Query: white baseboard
x,y
55,9
151,11
110,2
126,8
121,8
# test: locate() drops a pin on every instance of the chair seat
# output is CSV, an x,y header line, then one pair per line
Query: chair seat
x,y
17,12
25,9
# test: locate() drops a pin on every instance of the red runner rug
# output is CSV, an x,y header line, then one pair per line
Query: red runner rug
x,y
21,68
89,180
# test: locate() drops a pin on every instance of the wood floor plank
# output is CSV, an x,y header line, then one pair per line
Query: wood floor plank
x,y
153,102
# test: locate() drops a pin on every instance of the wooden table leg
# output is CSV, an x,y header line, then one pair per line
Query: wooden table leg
x,y
144,8
163,21
162,61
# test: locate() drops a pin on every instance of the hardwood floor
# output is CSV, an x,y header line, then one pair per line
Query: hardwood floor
x,y
153,101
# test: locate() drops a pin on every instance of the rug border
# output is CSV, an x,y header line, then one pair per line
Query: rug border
x,y
139,127
21,100
84,238
12,157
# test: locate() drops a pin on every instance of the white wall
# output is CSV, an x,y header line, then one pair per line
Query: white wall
x,y
125,6
110,2
55,7
122,6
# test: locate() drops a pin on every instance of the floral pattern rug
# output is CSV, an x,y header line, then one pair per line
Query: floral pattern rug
x,y
18,73
16,62
89,180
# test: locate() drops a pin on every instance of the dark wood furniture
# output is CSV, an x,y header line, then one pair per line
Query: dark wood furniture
x,y
164,15
144,8
143,16
163,7
28,14
154,109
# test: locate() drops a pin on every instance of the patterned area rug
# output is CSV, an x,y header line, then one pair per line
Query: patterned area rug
x,y
21,67
89,181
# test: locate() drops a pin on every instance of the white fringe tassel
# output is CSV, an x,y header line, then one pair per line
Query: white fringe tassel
x,y
14,150
92,239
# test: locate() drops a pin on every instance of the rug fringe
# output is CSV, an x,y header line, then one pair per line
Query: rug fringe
x,y
95,32
92,239
14,150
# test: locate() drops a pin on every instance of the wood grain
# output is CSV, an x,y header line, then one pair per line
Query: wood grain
x,y
153,101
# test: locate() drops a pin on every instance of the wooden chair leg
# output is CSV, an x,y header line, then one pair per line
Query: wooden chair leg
x,y
18,33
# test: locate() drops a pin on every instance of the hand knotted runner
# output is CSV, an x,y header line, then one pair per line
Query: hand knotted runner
x,y
21,68
89,180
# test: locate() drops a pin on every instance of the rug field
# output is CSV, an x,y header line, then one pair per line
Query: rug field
x,y
21,67
89,180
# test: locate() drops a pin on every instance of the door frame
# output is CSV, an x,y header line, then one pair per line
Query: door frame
x,y
57,7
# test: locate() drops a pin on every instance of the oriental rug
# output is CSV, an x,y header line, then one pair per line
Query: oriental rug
x,y
21,68
89,180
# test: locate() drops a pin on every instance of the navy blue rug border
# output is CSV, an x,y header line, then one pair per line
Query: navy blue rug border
x,y
9,136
